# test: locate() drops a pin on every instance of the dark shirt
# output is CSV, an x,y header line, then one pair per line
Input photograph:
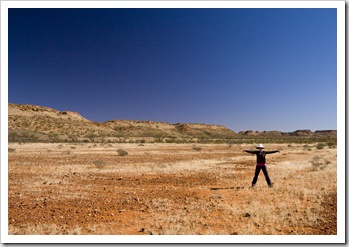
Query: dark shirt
x,y
261,155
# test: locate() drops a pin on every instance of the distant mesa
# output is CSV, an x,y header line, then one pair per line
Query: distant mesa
x,y
302,133
326,132
263,133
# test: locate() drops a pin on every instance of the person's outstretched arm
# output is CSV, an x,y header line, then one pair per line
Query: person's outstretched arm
x,y
250,151
272,152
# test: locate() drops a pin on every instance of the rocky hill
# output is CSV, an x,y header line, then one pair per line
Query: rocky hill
x,y
43,123
38,123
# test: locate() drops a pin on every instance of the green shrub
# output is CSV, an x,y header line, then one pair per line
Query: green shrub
x,y
320,145
307,147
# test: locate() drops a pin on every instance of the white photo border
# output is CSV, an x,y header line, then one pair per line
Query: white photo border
x,y
339,238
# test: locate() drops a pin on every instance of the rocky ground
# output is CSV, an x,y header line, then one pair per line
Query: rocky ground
x,y
169,189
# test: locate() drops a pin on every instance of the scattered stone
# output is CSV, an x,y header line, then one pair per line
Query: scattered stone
x,y
247,215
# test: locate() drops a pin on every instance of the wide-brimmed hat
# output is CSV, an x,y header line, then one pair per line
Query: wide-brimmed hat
x,y
260,146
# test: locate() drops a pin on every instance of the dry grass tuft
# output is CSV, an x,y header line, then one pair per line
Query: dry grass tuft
x,y
122,152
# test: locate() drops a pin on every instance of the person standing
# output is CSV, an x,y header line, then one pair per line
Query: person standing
x,y
261,164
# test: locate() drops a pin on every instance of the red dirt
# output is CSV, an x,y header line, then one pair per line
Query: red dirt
x,y
158,190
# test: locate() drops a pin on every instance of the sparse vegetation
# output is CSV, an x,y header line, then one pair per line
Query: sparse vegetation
x,y
307,147
332,144
319,163
320,145
166,189
165,186
197,148
99,163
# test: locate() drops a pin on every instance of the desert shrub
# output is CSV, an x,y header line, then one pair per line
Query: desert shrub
x,y
320,145
122,152
11,150
99,163
25,136
317,163
53,136
332,144
197,148
170,140
307,147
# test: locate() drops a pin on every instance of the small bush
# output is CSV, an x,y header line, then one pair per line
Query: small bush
x,y
197,148
122,152
318,164
332,144
320,145
11,150
307,147
99,163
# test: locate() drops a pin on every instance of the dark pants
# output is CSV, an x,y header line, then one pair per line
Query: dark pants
x,y
265,172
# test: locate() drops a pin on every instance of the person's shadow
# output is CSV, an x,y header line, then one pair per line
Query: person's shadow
x,y
229,188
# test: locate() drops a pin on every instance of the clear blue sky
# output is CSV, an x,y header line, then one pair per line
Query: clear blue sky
x,y
258,69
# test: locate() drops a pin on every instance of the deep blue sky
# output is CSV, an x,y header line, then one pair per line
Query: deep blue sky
x,y
259,69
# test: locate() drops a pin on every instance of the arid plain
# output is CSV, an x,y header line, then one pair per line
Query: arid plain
x,y
167,188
